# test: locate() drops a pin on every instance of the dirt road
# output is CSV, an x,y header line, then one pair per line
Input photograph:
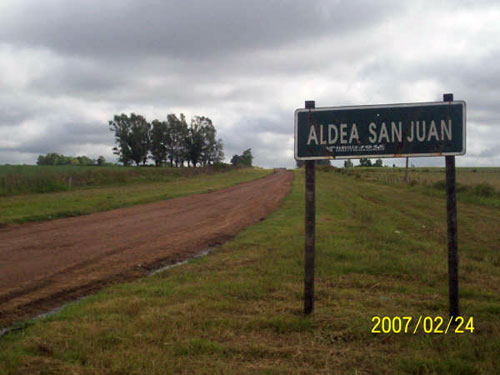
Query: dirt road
x,y
45,264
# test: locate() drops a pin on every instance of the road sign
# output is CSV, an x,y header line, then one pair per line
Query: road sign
x,y
373,131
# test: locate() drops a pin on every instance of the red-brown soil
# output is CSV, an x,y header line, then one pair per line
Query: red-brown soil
x,y
43,265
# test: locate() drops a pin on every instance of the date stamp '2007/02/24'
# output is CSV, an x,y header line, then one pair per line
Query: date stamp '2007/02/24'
x,y
426,324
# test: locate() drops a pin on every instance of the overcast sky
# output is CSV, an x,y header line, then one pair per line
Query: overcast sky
x,y
66,67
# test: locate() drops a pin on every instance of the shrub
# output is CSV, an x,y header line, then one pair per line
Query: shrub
x,y
439,185
484,190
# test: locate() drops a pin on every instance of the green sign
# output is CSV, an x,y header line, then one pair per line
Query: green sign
x,y
396,130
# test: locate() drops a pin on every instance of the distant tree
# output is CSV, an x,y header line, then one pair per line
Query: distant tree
x,y
166,141
83,160
247,158
195,140
178,135
139,140
121,127
132,138
243,160
218,152
326,162
348,164
53,158
101,161
301,163
236,160
158,141
378,163
365,162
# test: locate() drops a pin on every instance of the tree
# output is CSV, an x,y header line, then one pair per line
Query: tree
x,y
83,160
158,141
218,152
378,163
365,162
121,126
195,141
101,161
236,160
348,164
166,141
139,138
243,160
247,157
132,138
178,134
324,162
53,158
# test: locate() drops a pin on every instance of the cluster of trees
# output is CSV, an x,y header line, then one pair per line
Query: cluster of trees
x,y
53,158
301,163
172,141
364,162
243,160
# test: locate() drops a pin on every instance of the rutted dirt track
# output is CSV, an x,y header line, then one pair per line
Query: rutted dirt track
x,y
45,264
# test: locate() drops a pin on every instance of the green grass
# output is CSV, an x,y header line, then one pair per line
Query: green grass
x,y
38,207
429,175
474,185
29,179
381,250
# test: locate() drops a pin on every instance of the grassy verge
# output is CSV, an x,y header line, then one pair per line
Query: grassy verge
x,y
474,185
37,207
29,179
381,251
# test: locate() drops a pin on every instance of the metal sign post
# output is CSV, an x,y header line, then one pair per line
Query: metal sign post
x,y
310,224
451,215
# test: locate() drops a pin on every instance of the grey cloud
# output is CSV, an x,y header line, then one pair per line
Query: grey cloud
x,y
65,136
245,64
179,28
79,78
490,152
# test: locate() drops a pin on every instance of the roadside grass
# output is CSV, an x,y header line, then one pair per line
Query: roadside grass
x,y
381,251
430,175
474,185
38,207
30,179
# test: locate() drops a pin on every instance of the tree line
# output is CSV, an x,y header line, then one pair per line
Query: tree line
x,y
363,162
53,158
171,142
243,160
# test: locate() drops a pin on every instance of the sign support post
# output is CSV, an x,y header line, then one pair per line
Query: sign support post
x,y
451,213
310,223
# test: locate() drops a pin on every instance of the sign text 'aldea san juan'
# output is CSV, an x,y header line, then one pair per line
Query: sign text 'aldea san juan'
x,y
418,129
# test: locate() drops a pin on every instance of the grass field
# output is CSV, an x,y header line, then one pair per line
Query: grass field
x,y
474,185
428,176
28,179
381,251
155,185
